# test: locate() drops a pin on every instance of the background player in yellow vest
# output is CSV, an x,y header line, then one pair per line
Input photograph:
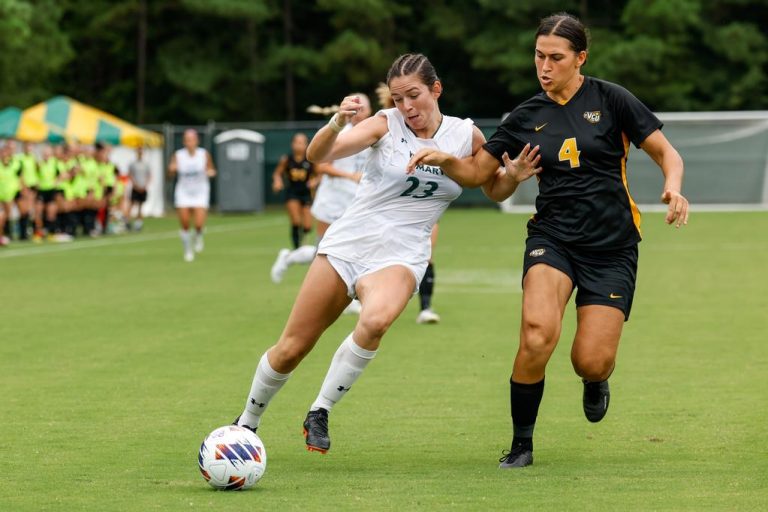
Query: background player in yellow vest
x,y
10,188
73,187
107,177
28,204
49,177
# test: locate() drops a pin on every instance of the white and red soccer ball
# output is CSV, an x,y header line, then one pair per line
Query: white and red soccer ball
x,y
232,458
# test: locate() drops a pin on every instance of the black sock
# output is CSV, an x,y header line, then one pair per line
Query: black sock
x,y
82,221
23,226
426,287
295,230
90,220
524,401
70,223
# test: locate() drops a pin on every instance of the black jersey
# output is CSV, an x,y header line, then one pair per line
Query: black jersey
x,y
584,144
298,175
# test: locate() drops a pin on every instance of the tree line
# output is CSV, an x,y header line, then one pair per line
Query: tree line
x,y
188,61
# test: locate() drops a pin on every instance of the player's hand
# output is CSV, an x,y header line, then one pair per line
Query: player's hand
x,y
426,156
356,176
524,166
677,213
348,109
211,173
277,186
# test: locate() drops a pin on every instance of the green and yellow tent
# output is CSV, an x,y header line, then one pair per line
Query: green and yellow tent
x,y
13,125
87,125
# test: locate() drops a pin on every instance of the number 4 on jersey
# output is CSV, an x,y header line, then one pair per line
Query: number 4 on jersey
x,y
569,151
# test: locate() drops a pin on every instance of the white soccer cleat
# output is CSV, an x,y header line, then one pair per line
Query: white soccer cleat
x,y
427,316
353,308
280,266
199,244
189,256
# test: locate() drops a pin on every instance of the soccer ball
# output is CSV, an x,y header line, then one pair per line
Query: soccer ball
x,y
232,458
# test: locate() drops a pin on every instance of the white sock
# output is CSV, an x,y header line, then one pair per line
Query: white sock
x,y
186,239
302,256
266,383
348,363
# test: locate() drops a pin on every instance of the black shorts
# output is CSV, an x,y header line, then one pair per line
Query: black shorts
x,y
138,196
48,196
304,199
605,278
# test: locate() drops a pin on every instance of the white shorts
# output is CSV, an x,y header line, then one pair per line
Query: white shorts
x,y
329,205
197,196
351,272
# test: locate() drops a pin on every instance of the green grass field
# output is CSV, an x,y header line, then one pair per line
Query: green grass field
x,y
117,358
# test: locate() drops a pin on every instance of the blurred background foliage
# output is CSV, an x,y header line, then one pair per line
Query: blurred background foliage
x,y
188,61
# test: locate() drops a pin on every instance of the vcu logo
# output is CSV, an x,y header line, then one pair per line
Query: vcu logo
x,y
593,117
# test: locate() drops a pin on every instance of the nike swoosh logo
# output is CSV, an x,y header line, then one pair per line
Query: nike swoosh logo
x,y
614,296
538,128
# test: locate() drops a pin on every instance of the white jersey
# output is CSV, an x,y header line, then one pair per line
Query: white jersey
x,y
393,213
192,186
335,194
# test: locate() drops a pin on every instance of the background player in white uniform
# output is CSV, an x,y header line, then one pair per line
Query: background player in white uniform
x,y
194,168
337,188
379,249
335,194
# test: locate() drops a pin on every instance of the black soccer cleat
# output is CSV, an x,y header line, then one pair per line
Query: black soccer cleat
x,y
597,396
520,456
252,429
316,431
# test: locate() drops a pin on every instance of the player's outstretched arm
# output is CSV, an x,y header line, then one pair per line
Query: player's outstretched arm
x,y
337,173
210,169
277,174
668,159
330,144
506,179
172,166
468,172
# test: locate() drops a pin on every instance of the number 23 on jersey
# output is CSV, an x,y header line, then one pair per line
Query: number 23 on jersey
x,y
414,183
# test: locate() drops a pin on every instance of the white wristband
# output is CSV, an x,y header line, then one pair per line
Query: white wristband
x,y
334,125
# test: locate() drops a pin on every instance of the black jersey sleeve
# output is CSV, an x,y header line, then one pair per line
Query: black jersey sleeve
x,y
506,138
634,118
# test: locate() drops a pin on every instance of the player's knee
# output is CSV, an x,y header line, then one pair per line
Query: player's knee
x,y
375,324
537,338
594,367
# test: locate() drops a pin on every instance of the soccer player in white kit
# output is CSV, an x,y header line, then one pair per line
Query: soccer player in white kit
x,y
194,168
379,249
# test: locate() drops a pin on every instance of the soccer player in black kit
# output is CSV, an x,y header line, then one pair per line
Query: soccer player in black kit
x,y
295,174
574,136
